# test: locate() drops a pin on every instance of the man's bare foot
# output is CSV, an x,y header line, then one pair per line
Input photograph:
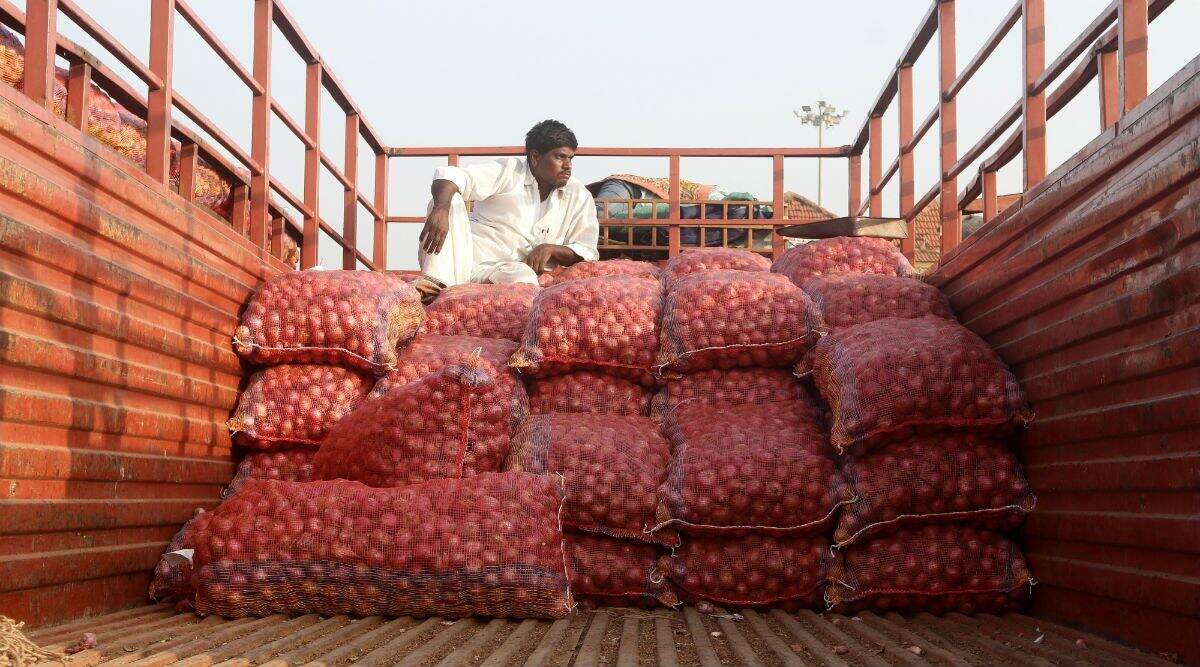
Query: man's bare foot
x,y
429,288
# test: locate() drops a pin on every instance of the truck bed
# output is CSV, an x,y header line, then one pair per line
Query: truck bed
x,y
157,635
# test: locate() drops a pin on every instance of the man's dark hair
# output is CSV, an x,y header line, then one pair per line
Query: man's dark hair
x,y
548,135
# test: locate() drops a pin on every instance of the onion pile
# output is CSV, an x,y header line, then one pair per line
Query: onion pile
x,y
731,472
489,546
725,388
843,254
612,467
454,423
351,318
293,464
750,571
588,392
608,267
888,379
607,570
940,478
295,404
431,353
735,319
608,323
701,260
849,299
172,579
485,310
935,569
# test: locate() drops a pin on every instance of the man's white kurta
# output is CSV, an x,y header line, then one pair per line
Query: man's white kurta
x,y
509,219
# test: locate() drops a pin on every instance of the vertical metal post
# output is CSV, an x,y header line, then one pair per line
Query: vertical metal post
x,y
41,36
904,88
452,160
1109,87
875,167
158,104
277,233
79,92
380,238
673,240
260,119
989,195
854,194
310,246
948,122
1133,40
239,219
778,207
187,171
350,195
1033,117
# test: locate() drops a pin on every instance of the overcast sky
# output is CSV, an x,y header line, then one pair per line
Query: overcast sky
x,y
622,73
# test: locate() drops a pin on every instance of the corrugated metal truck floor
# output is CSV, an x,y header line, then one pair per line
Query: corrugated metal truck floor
x,y
157,635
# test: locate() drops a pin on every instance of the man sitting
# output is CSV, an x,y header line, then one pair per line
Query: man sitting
x,y
529,215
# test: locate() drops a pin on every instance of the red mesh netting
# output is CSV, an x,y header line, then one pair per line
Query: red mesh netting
x,y
752,467
850,299
939,478
431,353
732,319
490,545
828,257
295,404
751,570
293,464
886,379
608,323
172,578
454,423
486,310
612,466
608,267
354,318
701,260
935,569
608,571
736,386
590,392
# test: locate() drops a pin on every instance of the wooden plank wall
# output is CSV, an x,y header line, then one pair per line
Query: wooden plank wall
x,y
117,303
1091,292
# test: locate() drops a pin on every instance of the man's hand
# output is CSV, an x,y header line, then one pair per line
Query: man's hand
x,y
437,225
542,255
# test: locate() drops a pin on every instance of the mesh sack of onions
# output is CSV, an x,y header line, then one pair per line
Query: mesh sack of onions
x,y
292,464
849,299
454,423
172,577
612,466
431,353
843,254
588,392
736,386
612,571
938,478
701,260
731,475
750,570
295,404
886,380
489,545
609,324
608,267
735,319
485,310
935,569
351,318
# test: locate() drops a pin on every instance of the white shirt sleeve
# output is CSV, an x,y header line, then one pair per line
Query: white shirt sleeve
x,y
477,181
583,229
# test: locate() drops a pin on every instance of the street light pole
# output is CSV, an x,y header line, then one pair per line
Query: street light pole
x,y
826,115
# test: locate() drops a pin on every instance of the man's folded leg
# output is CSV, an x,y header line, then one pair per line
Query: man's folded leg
x,y
455,262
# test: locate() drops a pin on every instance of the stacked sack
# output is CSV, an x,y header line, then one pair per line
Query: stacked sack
x,y
921,410
751,484
589,353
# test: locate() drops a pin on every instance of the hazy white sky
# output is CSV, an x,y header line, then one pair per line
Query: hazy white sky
x,y
621,73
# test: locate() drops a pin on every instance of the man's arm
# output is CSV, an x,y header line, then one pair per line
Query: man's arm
x,y
437,223
474,182
583,232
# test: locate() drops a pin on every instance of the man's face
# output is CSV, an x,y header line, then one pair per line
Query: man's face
x,y
553,167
